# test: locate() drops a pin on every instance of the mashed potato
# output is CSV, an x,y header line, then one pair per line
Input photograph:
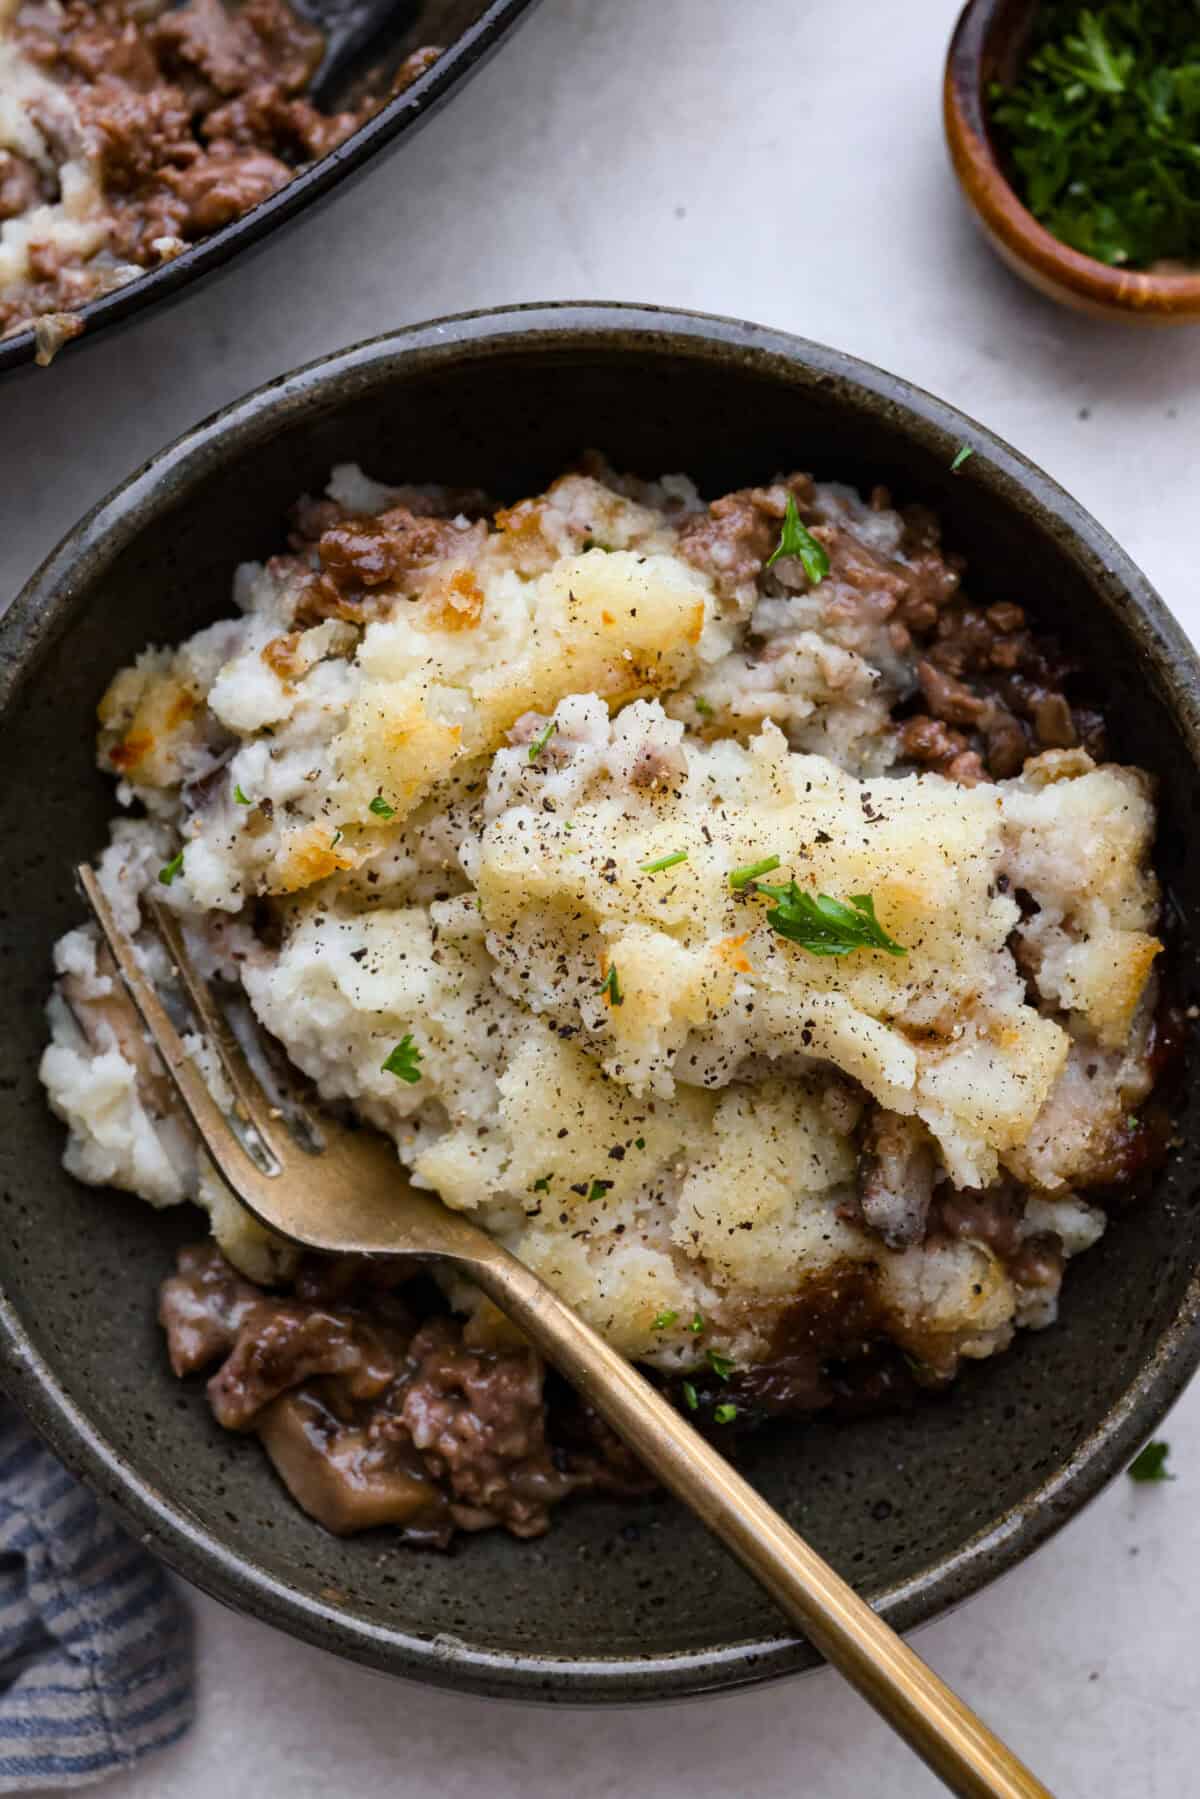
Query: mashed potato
x,y
494,787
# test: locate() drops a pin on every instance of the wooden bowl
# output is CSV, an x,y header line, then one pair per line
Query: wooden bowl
x,y
988,45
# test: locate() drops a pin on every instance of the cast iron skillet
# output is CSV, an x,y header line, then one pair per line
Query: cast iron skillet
x,y
620,1602
469,29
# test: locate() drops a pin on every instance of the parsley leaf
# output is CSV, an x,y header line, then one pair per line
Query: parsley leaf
x,y
240,797
542,739
654,868
169,870
597,1190
690,1397
725,1414
721,1365
610,987
380,807
403,1060
741,877
697,1324
963,454
825,926
665,1320
542,1184
703,706
1151,1463
795,540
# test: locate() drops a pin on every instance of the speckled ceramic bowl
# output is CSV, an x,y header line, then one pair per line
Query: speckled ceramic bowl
x,y
619,1602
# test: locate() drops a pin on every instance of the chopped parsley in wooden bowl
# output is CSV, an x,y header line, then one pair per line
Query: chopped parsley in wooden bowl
x,y
1102,129
1075,133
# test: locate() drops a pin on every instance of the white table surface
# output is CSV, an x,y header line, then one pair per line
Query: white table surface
x,y
780,160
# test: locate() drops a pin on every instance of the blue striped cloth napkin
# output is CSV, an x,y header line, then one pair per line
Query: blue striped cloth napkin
x,y
95,1647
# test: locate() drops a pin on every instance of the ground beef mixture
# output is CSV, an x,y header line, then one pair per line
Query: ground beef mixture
x,y
373,1408
356,555
991,692
183,118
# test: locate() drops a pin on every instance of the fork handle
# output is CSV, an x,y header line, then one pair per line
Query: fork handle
x,y
919,1706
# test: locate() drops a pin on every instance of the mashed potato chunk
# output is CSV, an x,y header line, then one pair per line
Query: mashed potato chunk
x,y
575,895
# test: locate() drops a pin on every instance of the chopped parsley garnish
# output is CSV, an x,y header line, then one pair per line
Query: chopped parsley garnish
x,y
542,1184
665,1320
542,739
240,797
741,877
721,1365
169,870
335,840
703,706
654,868
403,1060
1102,129
725,1414
697,1324
690,1397
610,987
639,1143
1151,1463
597,1190
794,540
825,926
963,454
380,807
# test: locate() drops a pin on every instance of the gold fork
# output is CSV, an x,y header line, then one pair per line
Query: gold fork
x,y
350,1197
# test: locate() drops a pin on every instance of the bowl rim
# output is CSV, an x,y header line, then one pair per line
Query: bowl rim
x,y
307,187
1157,298
41,613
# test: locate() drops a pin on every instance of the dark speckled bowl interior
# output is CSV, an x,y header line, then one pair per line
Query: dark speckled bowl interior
x,y
619,1602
